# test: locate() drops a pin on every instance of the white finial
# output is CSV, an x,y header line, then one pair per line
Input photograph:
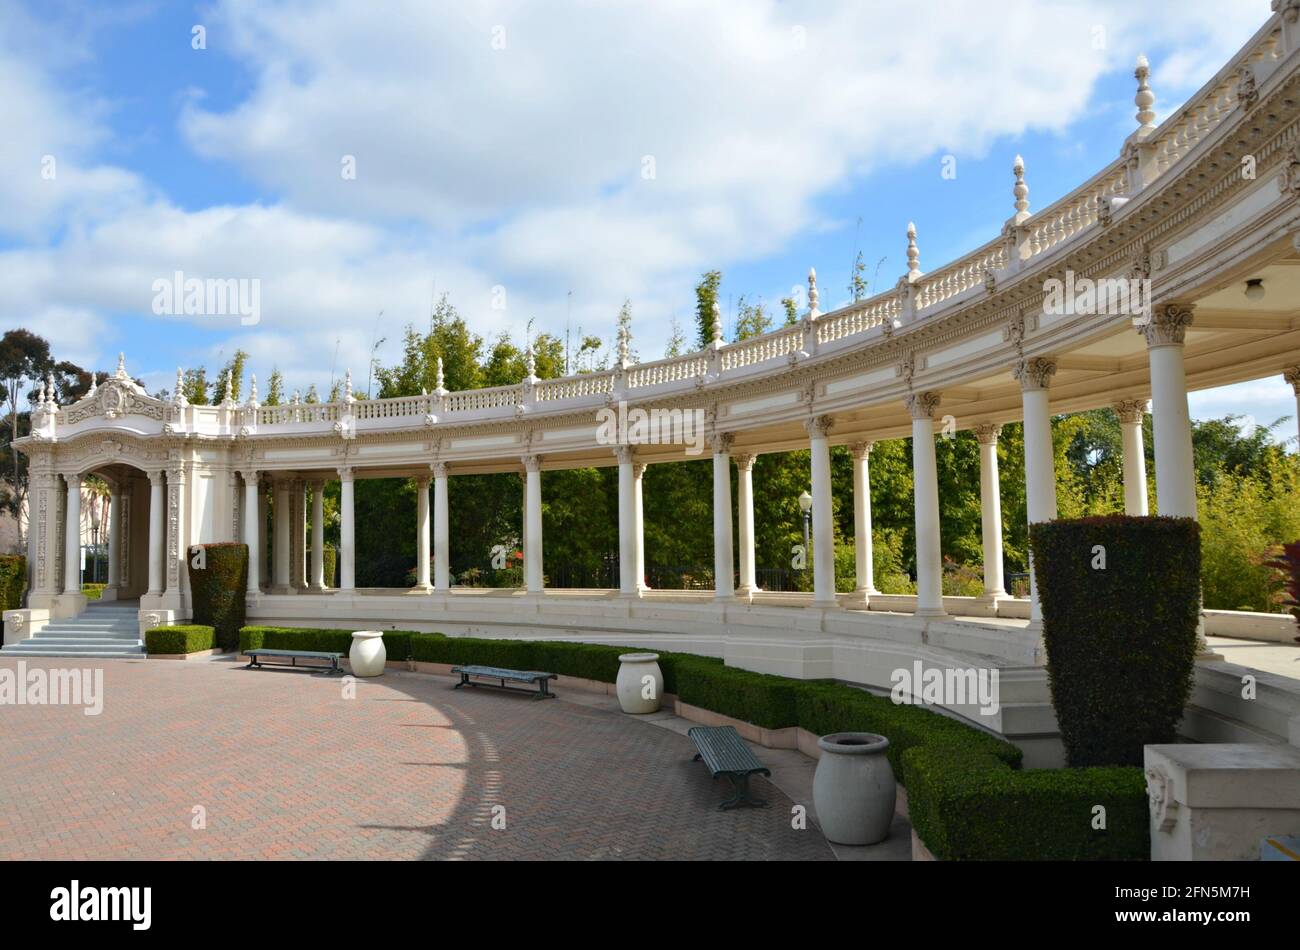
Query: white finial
x,y
1021,190
51,400
913,253
121,366
717,324
230,390
347,387
297,397
622,345
1145,98
179,398
530,365
94,385
252,390
441,388
813,296
40,393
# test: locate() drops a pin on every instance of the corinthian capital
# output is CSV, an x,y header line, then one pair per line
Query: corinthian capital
x,y
987,433
1130,410
922,405
1168,324
1035,373
721,442
1292,376
817,426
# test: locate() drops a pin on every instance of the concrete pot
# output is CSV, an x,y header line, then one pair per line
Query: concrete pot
x,y
854,788
636,694
367,655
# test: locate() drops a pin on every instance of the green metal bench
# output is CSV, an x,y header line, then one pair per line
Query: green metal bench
x,y
725,753
503,675
294,655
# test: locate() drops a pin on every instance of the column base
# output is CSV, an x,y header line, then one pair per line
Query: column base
x,y
70,605
421,589
929,612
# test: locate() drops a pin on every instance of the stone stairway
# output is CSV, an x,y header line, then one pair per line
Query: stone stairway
x,y
108,629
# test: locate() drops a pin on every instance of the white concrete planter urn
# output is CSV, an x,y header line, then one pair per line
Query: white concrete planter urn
x,y
854,788
640,683
367,655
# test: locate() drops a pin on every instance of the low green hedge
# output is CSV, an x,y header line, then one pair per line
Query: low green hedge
x,y
191,638
397,643
13,580
967,795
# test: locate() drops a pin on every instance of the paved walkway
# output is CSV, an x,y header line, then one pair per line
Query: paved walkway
x,y
203,759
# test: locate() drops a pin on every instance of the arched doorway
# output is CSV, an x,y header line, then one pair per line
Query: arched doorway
x,y
115,529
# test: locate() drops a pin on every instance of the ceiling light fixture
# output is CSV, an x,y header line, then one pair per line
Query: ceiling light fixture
x,y
1255,288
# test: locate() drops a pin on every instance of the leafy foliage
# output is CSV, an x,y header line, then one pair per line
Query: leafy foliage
x,y
218,586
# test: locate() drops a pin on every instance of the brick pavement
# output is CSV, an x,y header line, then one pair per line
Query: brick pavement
x,y
284,767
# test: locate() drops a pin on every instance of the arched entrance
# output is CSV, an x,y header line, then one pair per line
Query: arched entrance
x,y
115,525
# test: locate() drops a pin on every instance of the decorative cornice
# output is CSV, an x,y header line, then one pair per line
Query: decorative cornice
x,y
1168,324
1035,373
922,405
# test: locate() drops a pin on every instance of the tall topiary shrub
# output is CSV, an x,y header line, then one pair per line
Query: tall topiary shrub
x,y
1121,600
330,559
13,580
218,583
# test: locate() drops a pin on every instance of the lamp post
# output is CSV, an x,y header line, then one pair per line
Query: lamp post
x,y
805,504
94,542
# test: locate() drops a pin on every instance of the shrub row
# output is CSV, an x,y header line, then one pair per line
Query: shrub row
x,y
190,638
967,795
218,579
397,643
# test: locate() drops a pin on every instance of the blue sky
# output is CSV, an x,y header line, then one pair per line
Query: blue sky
x,y
502,146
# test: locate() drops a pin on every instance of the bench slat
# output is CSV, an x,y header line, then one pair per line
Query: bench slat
x,y
724,751
267,651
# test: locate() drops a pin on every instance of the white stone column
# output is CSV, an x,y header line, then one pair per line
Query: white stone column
x,y
157,510
1130,412
991,510
862,546
422,534
299,545
318,534
281,536
176,537
1040,466
925,490
533,574
823,515
347,532
72,535
264,550
638,470
627,585
745,521
723,583
441,531
1170,422
1292,376
114,538
253,529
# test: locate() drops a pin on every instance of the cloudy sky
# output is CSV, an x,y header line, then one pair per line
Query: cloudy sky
x,y
359,158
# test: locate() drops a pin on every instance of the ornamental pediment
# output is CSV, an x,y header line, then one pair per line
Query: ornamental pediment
x,y
117,396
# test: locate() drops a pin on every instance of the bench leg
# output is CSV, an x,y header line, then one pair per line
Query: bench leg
x,y
742,798
253,664
464,681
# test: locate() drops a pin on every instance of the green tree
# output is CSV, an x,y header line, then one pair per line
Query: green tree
x,y
706,298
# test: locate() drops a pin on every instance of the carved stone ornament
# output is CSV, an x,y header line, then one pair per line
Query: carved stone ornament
x,y
1168,324
1036,373
1160,798
922,405
1289,180
1247,88
114,398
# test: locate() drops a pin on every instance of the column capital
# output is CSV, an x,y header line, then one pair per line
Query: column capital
x,y
155,476
624,454
439,469
721,442
922,405
987,433
532,463
346,473
1292,376
861,450
1130,410
317,483
1035,373
176,473
71,476
817,427
745,461
250,475
422,481
1167,325
638,469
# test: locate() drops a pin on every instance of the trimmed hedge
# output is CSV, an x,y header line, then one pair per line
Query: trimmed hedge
x,y
967,796
1121,603
13,580
330,563
397,643
218,588
183,638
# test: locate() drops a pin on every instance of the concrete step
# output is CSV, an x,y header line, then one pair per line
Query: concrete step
x,y
108,627
82,635
73,642
102,653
